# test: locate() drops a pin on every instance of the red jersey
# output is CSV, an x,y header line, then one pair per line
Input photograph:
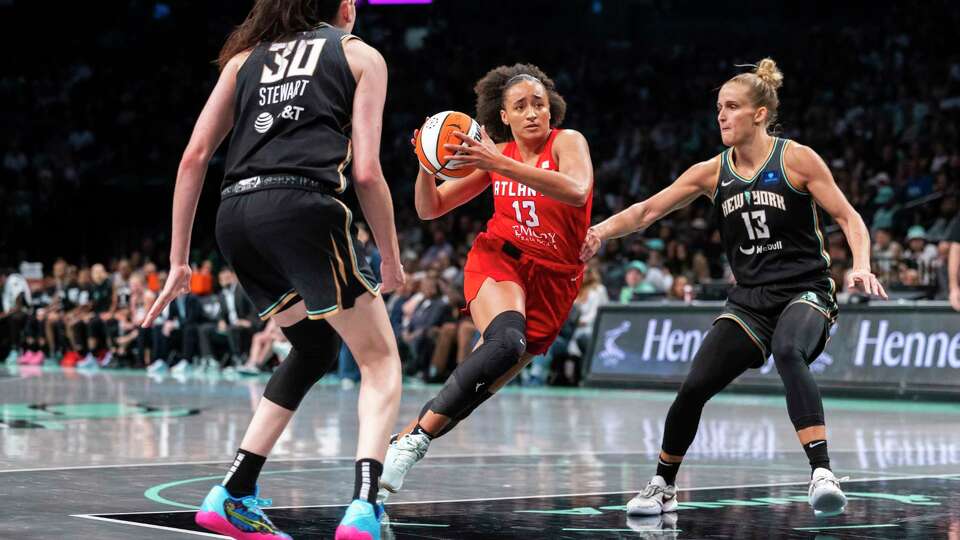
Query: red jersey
x,y
542,227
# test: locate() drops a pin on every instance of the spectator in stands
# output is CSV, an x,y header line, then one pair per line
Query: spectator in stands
x,y
953,264
922,255
886,253
15,308
98,318
76,305
264,344
430,312
181,330
635,283
592,295
237,322
201,280
657,275
681,289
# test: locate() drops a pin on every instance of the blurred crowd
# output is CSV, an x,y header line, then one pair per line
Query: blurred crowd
x,y
87,174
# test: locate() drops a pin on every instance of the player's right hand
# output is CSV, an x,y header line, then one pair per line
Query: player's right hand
x,y
393,276
591,244
178,282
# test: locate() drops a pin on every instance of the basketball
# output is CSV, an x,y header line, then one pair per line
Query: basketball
x,y
438,131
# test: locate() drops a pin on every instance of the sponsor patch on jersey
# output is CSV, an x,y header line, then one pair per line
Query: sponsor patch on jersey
x,y
263,123
771,177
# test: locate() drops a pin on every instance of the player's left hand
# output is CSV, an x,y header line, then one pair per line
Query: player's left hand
x,y
862,280
591,244
481,155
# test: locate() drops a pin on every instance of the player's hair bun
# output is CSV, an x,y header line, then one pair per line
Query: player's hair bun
x,y
768,72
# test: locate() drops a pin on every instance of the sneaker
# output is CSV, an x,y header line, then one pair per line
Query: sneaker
x,y
157,367
107,360
13,357
361,522
89,362
826,497
655,499
70,359
239,518
248,371
38,358
180,367
402,454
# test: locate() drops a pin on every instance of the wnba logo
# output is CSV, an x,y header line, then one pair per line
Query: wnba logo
x,y
263,122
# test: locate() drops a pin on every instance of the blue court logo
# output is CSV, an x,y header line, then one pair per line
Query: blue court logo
x,y
771,177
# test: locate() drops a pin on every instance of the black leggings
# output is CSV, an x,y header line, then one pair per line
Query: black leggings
x,y
727,352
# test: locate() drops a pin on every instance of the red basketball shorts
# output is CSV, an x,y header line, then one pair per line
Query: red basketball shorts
x,y
550,287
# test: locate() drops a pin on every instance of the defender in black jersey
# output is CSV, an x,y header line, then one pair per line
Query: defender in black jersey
x,y
304,99
768,192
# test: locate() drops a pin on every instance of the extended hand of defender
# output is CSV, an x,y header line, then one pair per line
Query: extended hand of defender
x,y
178,282
861,280
591,245
392,276
481,155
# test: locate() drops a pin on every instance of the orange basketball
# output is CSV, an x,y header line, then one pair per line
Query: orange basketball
x,y
438,131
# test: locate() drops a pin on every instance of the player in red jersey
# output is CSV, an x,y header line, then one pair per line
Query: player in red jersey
x,y
523,272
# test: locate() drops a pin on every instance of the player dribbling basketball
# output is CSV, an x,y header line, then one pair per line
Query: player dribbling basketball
x,y
523,273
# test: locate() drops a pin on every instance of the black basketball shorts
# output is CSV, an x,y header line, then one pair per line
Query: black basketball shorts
x,y
287,244
757,309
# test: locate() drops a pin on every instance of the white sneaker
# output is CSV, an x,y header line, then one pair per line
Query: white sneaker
x,y
402,454
655,499
12,358
248,371
158,366
826,497
107,360
180,368
89,362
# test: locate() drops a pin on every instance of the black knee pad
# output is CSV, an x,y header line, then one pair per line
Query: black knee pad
x,y
504,342
316,348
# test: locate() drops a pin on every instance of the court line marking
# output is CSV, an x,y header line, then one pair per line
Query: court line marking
x,y
834,527
162,528
153,493
553,495
298,459
342,458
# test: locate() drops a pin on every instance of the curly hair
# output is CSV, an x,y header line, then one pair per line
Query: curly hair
x,y
490,91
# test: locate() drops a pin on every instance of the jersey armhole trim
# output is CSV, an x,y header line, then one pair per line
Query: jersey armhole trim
x,y
783,168
716,189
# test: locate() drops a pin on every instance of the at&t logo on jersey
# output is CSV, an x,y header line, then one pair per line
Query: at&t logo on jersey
x,y
263,123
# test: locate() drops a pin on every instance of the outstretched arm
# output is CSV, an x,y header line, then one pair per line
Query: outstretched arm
x,y
807,171
700,179
215,121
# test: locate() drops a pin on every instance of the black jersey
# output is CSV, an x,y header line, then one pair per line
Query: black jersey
x,y
294,102
101,296
772,232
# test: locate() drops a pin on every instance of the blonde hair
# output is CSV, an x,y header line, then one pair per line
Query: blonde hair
x,y
762,84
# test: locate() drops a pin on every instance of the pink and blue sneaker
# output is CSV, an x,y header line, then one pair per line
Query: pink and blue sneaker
x,y
239,518
361,522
